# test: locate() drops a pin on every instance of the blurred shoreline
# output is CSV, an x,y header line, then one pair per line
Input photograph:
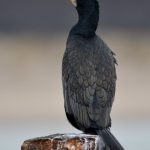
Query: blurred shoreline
x,y
31,74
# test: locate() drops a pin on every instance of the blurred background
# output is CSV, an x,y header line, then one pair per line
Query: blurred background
x,y
33,35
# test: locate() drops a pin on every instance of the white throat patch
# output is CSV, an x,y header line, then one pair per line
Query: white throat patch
x,y
74,2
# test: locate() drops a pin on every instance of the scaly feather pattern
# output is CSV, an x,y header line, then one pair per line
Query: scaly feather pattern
x,y
89,78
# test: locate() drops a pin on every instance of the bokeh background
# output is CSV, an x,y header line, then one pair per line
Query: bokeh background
x,y
33,34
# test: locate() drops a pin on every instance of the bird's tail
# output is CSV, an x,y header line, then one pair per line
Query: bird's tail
x,y
110,140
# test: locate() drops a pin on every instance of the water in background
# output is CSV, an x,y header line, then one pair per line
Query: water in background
x,y
130,134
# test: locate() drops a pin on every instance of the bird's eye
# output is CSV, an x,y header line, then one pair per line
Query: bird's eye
x,y
74,2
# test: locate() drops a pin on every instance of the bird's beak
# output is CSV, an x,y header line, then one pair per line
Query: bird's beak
x,y
74,2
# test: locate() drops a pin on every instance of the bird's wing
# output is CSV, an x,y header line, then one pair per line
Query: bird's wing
x,y
89,85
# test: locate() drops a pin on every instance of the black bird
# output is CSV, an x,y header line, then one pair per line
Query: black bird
x,y
89,76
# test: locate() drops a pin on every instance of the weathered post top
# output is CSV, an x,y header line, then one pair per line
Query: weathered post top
x,y
65,142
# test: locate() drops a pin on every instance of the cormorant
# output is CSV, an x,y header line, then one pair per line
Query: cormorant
x,y
89,76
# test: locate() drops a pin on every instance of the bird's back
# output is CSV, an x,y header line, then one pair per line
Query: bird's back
x,y
89,78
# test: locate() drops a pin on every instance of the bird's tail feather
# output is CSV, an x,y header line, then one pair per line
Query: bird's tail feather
x,y
110,140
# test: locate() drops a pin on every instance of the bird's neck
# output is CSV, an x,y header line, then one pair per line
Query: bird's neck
x,y
88,19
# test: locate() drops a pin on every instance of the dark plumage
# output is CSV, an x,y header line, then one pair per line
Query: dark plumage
x,y
89,76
